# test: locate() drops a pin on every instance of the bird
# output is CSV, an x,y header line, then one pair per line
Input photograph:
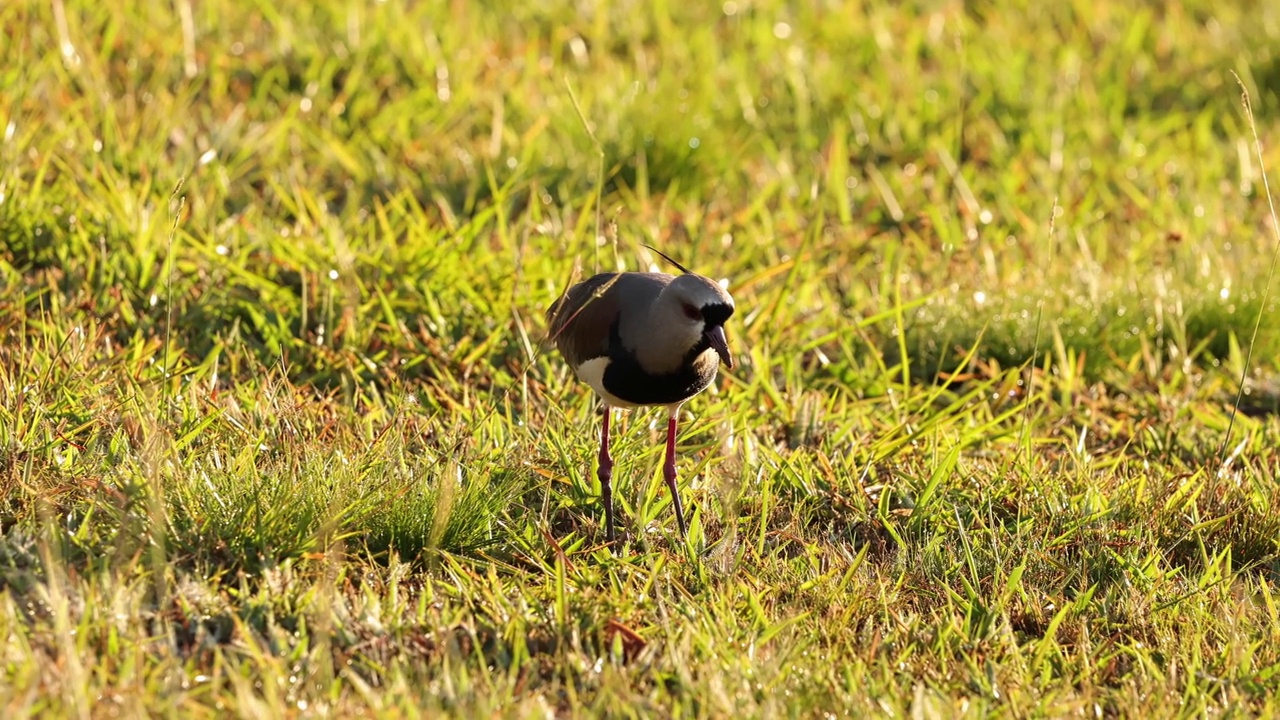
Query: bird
x,y
643,339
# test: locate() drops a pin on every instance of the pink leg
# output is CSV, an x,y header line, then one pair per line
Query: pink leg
x,y
669,472
605,473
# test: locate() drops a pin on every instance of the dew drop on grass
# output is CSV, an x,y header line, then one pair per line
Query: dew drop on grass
x,y
221,250
333,274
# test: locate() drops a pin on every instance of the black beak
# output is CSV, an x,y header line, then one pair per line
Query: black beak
x,y
720,344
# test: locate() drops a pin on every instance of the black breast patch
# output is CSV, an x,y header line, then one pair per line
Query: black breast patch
x,y
627,380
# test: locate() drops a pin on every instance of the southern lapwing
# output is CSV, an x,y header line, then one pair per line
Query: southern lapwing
x,y
640,340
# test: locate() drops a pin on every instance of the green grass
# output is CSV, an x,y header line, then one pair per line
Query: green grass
x,y
280,434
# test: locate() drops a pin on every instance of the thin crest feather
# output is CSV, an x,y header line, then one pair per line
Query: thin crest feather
x,y
682,268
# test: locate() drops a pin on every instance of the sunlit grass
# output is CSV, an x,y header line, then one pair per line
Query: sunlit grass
x,y
280,433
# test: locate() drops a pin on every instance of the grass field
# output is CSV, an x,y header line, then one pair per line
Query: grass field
x,y
280,433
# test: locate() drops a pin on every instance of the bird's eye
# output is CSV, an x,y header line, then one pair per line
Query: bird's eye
x,y
691,312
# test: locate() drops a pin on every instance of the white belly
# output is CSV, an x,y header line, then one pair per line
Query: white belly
x,y
591,372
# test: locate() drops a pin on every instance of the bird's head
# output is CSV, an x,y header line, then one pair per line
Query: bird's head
x,y
697,309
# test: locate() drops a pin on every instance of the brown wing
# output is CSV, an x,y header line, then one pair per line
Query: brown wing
x,y
581,322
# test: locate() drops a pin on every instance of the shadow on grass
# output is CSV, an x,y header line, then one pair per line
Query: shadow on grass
x,y
1100,338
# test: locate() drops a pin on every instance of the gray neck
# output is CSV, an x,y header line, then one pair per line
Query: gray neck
x,y
661,337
